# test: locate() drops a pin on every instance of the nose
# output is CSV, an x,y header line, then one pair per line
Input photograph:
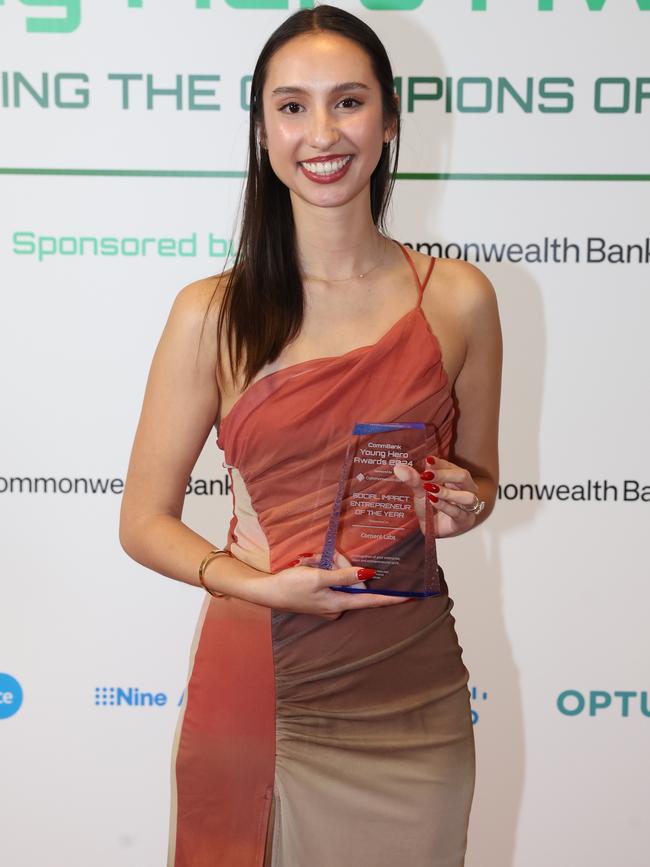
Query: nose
x,y
322,130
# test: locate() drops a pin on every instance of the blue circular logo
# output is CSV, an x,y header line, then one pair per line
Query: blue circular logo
x,y
11,695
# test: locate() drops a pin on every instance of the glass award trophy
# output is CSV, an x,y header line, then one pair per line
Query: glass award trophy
x,y
375,521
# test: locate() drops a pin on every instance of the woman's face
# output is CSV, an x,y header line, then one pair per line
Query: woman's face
x,y
323,118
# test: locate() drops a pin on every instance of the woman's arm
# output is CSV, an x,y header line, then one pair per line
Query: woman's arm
x,y
477,392
464,311
179,410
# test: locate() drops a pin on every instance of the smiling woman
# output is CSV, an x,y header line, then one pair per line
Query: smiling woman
x,y
330,127
322,93
319,727
327,130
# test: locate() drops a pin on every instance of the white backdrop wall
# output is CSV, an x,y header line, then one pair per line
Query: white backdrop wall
x,y
547,193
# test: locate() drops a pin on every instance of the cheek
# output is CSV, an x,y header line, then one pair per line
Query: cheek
x,y
282,136
363,132
282,143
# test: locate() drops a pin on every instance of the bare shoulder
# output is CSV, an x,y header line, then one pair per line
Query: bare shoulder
x,y
191,329
200,298
457,284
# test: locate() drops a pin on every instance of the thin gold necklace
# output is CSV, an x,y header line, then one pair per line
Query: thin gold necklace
x,y
352,276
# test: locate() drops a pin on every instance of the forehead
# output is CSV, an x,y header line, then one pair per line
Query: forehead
x,y
319,61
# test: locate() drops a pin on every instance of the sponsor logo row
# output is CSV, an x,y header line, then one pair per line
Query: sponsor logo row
x,y
591,490
592,250
569,702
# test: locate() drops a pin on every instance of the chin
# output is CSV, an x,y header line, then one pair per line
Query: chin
x,y
329,202
329,197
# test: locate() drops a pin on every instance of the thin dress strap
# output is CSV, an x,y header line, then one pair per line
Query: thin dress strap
x,y
421,286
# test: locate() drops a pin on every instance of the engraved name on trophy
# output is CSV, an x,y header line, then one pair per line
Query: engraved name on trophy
x,y
374,521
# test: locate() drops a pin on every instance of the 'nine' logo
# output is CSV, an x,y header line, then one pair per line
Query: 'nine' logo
x,y
116,696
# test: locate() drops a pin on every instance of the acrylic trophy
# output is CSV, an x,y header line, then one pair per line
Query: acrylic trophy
x,y
374,520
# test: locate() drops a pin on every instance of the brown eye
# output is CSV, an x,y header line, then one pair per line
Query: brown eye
x,y
291,106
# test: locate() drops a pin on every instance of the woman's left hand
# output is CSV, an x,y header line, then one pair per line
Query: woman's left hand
x,y
447,488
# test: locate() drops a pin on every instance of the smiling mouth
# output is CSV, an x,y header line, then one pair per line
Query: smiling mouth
x,y
327,167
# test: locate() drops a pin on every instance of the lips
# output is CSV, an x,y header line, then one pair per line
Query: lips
x,y
325,170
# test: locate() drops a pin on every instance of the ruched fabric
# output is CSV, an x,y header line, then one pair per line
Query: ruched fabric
x,y
305,742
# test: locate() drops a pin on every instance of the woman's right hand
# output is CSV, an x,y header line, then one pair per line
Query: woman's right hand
x,y
304,588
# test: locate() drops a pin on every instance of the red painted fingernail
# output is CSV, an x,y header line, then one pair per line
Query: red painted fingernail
x,y
293,563
308,554
429,486
430,459
427,475
432,497
365,573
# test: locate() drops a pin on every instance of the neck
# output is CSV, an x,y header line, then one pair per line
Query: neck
x,y
336,243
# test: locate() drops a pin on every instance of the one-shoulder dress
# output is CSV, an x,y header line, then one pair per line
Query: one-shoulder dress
x,y
306,742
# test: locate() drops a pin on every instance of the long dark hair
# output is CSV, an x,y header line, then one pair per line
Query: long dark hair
x,y
262,306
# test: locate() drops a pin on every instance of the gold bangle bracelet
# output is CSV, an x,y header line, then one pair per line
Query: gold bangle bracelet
x,y
209,557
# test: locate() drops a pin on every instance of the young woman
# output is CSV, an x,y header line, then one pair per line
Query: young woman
x,y
320,728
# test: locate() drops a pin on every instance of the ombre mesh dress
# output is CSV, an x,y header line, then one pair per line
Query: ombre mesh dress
x,y
306,742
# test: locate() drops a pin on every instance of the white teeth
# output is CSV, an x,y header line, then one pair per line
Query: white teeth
x,y
327,168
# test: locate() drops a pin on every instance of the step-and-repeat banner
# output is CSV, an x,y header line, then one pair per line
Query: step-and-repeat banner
x,y
526,151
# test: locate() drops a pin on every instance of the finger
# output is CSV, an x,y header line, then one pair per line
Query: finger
x,y
437,466
374,600
433,462
454,496
406,474
451,475
301,560
412,478
448,507
340,560
345,577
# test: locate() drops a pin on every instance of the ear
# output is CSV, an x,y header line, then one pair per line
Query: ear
x,y
391,130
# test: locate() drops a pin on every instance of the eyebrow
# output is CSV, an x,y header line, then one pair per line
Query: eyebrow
x,y
338,88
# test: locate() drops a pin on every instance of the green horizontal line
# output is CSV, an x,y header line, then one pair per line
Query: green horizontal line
x,y
124,173
515,176
401,176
